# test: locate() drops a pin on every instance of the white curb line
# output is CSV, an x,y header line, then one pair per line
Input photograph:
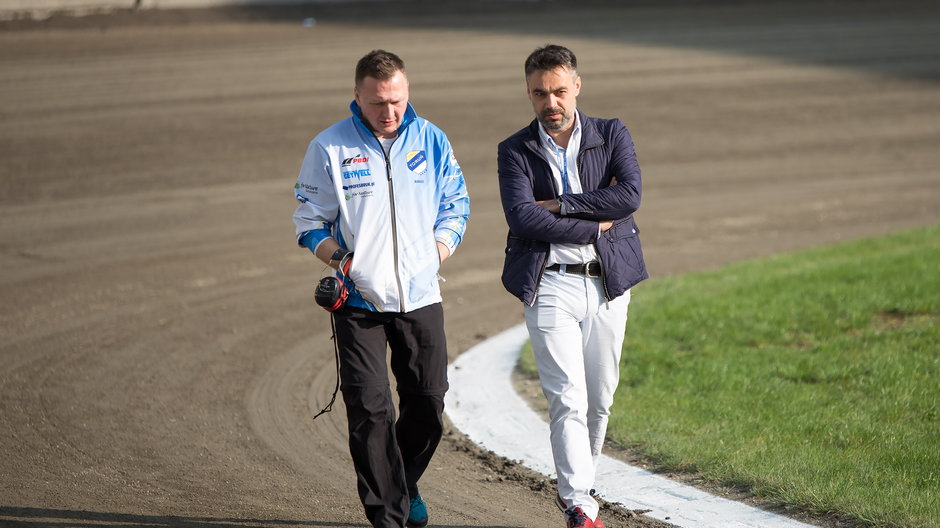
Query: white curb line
x,y
482,403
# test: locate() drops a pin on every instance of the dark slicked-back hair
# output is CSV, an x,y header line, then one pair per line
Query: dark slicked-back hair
x,y
378,64
549,57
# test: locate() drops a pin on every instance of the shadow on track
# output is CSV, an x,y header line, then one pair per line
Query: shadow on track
x,y
35,517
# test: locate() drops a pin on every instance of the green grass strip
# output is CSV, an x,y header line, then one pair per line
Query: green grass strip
x,y
811,379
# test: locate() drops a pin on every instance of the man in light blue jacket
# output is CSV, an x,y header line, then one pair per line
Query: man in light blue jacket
x,y
383,201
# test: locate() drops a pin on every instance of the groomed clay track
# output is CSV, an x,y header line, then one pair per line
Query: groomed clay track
x,y
161,355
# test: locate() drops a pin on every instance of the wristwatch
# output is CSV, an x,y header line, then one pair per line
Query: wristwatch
x,y
342,257
339,254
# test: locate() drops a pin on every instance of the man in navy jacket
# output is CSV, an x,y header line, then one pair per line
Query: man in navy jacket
x,y
569,186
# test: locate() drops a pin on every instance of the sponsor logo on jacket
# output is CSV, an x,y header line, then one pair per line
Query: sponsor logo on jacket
x,y
357,173
361,190
358,158
417,161
301,188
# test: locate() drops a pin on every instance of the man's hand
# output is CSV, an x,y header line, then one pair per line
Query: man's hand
x,y
442,251
605,225
325,250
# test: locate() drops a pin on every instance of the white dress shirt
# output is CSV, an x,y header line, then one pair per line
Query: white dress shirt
x,y
564,165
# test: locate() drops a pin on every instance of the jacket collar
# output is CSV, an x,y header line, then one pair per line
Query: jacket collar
x,y
409,116
590,137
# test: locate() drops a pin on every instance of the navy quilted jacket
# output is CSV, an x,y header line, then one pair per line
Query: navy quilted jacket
x,y
610,179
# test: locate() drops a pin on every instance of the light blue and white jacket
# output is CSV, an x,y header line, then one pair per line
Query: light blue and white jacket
x,y
390,211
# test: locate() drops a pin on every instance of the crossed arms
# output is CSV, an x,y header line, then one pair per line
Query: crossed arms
x,y
533,211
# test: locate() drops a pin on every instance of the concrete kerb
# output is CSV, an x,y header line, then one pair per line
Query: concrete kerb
x,y
482,403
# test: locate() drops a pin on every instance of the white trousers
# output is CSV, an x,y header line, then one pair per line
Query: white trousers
x,y
577,338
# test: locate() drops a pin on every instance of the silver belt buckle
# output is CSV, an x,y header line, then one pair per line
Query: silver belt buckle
x,y
587,270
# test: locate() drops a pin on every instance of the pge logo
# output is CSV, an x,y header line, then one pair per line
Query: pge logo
x,y
358,158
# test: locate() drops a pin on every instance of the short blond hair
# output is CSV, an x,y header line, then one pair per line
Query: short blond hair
x,y
378,64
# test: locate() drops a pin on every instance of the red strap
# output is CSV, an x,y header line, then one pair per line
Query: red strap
x,y
346,263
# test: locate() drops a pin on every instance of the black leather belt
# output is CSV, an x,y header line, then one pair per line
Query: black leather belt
x,y
589,269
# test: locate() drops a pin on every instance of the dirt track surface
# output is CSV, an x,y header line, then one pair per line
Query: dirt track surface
x,y
161,353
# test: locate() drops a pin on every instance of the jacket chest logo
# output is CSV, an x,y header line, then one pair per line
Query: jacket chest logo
x,y
417,161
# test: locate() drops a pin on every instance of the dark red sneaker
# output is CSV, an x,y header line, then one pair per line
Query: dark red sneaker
x,y
577,519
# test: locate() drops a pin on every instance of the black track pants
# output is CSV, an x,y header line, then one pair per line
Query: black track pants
x,y
390,457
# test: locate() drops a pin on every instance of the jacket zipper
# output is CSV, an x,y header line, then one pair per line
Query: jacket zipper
x,y
391,208
597,251
538,281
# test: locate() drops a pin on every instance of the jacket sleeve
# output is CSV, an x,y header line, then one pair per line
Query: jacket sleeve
x,y
317,204
622,197
525,218
454,208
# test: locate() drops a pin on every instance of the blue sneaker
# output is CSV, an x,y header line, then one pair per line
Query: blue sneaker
x,y
418,515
